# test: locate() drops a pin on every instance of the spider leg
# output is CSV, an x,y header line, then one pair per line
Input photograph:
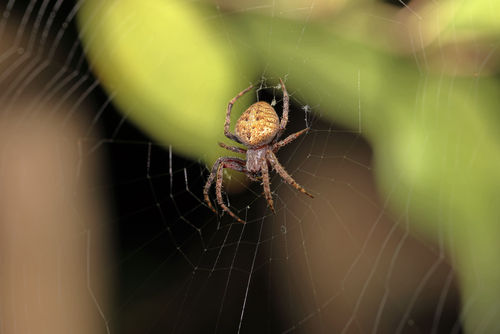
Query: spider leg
x,y
227,122
267,187
218,187
233,148
284,116
233,163
288,139
282,172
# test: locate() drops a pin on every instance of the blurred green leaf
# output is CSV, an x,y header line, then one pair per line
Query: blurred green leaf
x,y
167,67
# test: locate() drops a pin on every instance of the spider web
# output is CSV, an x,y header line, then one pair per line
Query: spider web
x,y
341,262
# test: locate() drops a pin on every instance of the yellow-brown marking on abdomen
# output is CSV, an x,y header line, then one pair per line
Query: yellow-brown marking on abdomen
x,y
257,125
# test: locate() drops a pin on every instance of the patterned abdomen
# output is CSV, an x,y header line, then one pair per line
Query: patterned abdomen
x,y
257,125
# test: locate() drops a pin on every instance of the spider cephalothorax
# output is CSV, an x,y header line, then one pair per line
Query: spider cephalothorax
x,y
259,129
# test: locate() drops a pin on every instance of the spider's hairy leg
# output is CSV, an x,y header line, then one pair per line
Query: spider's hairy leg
x,y
283,173
233,148
227,122
284,116
233,163
218,185
289,139
209,182
267,187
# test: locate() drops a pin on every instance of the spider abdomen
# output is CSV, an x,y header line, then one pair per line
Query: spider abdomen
x,y
258,125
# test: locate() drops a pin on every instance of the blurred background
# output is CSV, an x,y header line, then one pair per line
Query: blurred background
x,y
111,113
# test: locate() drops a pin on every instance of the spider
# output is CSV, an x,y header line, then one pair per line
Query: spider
x,y
259,129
